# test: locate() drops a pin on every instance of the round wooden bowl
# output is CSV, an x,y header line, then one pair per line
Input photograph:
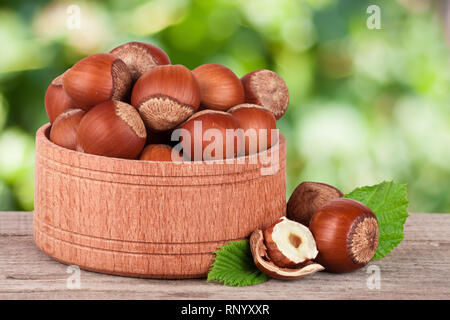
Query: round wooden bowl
x,y
150,219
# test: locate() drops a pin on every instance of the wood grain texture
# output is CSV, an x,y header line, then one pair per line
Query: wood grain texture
x,y
419,268
149,219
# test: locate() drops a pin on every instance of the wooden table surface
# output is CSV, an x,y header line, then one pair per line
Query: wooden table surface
x,y
419,268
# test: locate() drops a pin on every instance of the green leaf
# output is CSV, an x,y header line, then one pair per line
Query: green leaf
x,y
388,200
234,266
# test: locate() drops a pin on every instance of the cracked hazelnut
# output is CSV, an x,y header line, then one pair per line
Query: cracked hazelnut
x,y
307,198
346,233
289,243
264,262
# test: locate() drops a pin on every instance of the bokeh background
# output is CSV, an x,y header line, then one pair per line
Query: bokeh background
x,y
367,105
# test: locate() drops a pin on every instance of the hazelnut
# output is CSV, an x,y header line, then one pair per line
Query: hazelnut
x,y
220,87
346,233
112,129
56,99
140,57
307,198
289,243
165,96
158,152
64,129
97,78
257,123
264,262
267,89
225,140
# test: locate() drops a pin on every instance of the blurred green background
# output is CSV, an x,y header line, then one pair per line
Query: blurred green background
x,y
366,104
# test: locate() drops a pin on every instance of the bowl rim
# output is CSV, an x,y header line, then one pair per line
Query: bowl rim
x,y
51,151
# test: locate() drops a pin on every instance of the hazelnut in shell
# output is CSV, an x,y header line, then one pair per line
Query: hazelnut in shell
x,y
346,233
307,198
97,78
212,135
159,152
165,96
267,89
140,57
64,129
56,99
112,129
257,123
220,88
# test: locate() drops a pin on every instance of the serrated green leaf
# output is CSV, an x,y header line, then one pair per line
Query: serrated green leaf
x,y
233,265
388,200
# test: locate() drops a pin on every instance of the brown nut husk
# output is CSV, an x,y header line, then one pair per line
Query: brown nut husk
x,y
307,198
263,262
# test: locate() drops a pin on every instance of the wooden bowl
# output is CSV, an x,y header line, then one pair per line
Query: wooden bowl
x,y
149,219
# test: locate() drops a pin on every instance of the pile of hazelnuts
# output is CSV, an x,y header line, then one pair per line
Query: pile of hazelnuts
x,y
127,103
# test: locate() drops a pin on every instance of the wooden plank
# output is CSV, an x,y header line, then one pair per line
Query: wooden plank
x,y
418,269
